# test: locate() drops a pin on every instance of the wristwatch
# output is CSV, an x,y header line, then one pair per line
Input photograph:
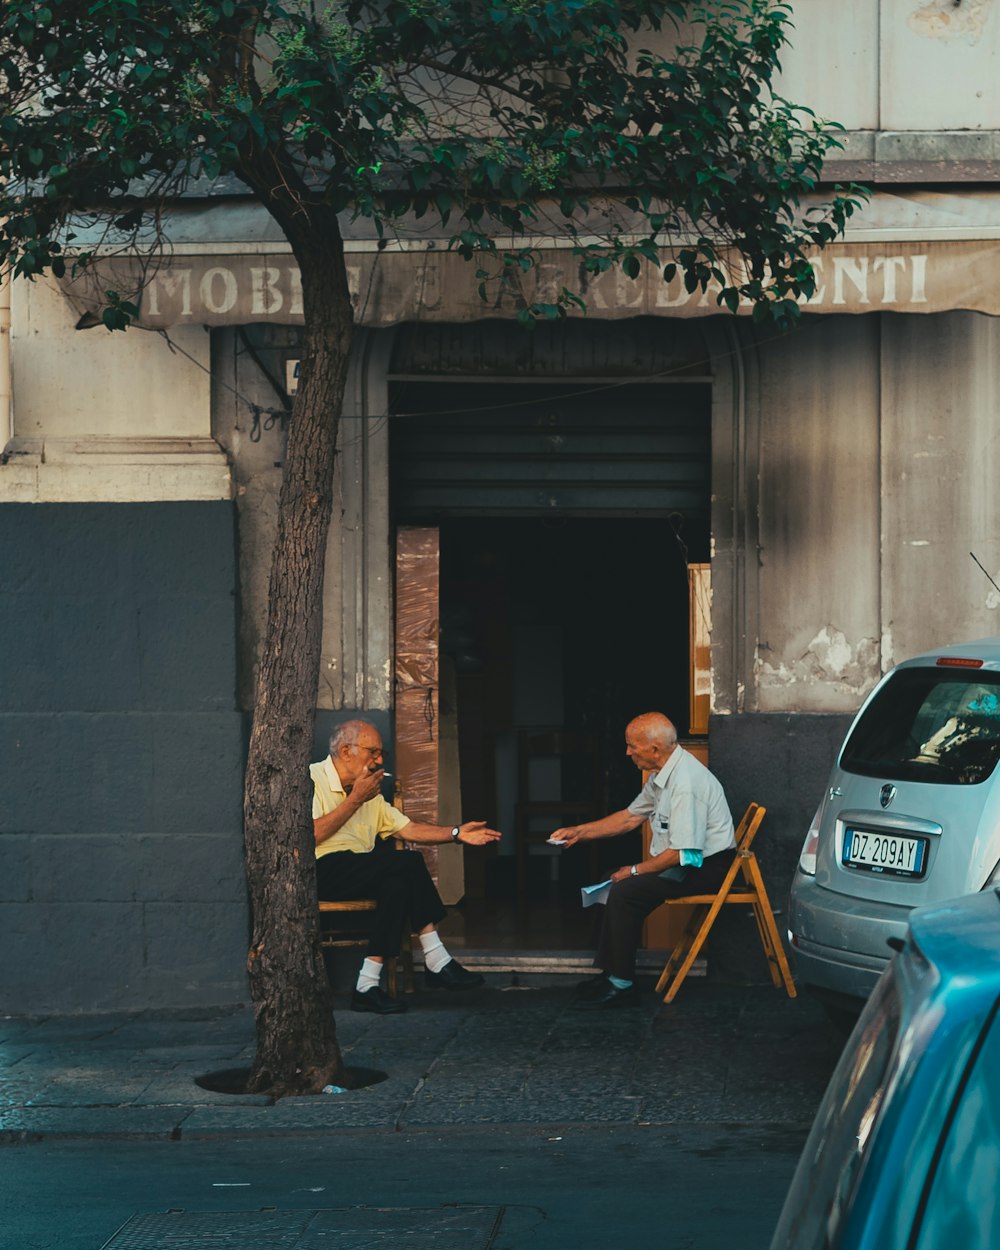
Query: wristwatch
x,y
454,833
633,871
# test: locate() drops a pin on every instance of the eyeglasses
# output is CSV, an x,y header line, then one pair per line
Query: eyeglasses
x,y
374,752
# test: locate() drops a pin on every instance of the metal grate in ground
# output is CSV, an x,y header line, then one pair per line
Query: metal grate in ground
x,y
339,1228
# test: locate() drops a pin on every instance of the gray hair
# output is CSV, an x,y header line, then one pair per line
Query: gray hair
x,y
655,728
347,734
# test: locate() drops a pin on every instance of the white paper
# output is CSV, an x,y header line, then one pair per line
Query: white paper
x,y
591,894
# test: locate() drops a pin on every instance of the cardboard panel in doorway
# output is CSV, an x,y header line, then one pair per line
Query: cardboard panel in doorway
x,y
700,626
417,673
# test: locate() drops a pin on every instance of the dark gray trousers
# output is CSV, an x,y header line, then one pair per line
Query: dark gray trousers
x,y
630,902
397,880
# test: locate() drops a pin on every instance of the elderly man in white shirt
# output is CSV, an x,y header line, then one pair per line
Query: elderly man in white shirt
x,y
691,851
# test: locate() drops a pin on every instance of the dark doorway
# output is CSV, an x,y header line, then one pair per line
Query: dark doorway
x,y
568,514
579,623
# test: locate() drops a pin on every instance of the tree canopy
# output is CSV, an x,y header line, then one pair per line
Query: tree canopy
x,y
502,118
645,132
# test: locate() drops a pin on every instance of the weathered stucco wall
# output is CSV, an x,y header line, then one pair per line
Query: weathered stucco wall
x,y
818,558
940,465
878,460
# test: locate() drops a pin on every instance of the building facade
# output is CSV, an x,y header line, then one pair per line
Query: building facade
x,y
558,486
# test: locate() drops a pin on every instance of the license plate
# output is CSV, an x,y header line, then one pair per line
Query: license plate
x,y
892,853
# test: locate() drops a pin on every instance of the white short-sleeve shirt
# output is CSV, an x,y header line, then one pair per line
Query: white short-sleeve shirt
x,y
686,808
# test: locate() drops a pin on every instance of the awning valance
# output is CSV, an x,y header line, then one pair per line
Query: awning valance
x,y
433,284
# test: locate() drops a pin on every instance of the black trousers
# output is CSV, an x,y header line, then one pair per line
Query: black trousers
x,y
397,880
630,902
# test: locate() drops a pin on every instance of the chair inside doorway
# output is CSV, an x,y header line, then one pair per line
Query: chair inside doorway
x,y
559,783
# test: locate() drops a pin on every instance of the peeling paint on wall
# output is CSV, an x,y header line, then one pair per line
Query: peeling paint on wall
x,y
888,651
828,660
952,19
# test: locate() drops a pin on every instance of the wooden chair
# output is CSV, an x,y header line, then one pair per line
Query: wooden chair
x,y
333,935
571,760
708,906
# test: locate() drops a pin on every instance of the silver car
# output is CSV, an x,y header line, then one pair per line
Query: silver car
x,y
911,817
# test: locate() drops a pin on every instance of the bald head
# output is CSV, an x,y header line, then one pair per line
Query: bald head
x,y
348,733
356,748
650,740
654,727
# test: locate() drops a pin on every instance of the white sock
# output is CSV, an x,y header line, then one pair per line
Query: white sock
x,y
369,976
435,954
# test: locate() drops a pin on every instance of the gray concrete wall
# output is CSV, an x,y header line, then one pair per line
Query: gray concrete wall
x,y
121,750
782,761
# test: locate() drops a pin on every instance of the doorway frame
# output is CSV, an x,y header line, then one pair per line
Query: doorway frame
x,y
358,605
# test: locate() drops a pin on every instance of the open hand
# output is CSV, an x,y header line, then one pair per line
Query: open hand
x,y
475,833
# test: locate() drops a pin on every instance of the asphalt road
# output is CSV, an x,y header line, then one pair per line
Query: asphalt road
x,y
683,1187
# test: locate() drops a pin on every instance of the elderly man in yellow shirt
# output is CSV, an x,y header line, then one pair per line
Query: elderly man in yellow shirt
x,y
354,858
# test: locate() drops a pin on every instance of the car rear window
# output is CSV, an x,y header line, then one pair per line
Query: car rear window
x,y
929,724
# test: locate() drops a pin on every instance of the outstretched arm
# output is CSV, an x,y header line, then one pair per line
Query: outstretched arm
x,y
607,827
472,833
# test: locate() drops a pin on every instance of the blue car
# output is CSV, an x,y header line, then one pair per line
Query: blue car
x,y
904,1153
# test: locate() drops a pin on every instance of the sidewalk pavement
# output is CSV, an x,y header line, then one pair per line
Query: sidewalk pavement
x,y
502,1055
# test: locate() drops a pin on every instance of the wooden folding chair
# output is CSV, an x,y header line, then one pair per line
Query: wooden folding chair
x,y
708,906
332,935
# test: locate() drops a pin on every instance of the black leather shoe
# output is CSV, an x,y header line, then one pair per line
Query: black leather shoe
x,y
610,996
592,985
453,977
377,1000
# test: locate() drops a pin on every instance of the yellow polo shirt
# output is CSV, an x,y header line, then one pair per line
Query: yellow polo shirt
x,y
374,819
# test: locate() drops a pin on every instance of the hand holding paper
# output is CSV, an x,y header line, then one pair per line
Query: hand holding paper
x,y
565,837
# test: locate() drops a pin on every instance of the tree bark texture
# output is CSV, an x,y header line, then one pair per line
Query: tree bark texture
x,y
297,1049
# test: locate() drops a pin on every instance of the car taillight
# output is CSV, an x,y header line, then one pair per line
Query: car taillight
x,y
807,860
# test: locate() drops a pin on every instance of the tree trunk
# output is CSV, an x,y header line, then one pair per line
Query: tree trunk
x,y
297,1049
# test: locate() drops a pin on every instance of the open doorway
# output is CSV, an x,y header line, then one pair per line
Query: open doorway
x,y
567,512
570,623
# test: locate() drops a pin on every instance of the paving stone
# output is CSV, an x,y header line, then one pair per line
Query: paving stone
x,y
321,1113
89,1087
454,1227
718,1055
139,1122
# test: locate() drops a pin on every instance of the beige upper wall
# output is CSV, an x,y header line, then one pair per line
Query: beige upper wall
x,y
96,416
92,383
897,64
892,64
